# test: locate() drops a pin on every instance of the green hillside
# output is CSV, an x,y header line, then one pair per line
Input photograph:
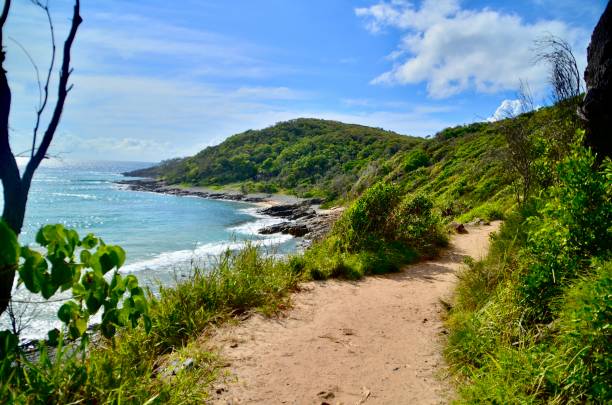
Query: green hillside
x,y
306,157
460,168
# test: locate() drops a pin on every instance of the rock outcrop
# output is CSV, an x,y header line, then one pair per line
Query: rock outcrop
x,y
302,220
596,108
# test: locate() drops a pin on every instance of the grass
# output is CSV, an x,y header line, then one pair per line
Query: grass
x,y
378,233
132,367
531,322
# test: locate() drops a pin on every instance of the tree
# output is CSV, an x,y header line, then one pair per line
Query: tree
x,y
564,76
518,133
16,184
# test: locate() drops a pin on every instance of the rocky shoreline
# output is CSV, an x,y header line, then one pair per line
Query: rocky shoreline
x,y
303,217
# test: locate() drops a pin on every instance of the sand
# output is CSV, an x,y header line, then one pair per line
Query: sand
x,y
376,341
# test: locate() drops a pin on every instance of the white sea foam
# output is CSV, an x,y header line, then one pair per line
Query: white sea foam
x,y
201,254
253,227
83,196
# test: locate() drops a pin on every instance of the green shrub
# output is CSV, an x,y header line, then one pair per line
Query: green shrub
x,y
365,223
580,362
416,225
414,159
572,227
377,234
531,322
489,211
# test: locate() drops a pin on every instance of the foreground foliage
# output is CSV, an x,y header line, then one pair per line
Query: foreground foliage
x,y
139,363
532,321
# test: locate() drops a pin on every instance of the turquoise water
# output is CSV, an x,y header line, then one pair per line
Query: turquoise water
x,y
162,234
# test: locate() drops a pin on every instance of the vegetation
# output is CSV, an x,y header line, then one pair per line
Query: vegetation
x,y
531,321
377,234
105,371
306,157
237,282
536,309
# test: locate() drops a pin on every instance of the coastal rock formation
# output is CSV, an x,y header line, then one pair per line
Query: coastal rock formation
x,y
291,228
596,108
158,186
290,211
302,220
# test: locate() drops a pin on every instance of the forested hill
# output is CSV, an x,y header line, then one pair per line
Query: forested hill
x,y
460,167
300,156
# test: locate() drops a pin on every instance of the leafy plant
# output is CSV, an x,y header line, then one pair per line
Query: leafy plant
x,y
82,265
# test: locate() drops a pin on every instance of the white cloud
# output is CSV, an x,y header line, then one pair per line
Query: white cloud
x,y
507,109
453,49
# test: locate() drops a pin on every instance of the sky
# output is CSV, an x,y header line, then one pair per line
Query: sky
x,y
155,79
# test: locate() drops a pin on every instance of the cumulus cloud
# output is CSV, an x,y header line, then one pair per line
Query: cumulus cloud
x,y
452,49
507,108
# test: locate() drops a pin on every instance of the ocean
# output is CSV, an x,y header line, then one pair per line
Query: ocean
x,y
163,235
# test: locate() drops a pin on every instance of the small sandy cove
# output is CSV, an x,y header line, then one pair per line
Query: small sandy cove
x,y
376,341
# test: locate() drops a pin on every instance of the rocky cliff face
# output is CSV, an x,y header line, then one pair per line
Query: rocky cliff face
x,y
597,105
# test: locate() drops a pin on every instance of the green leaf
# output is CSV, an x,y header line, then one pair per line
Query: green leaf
x,y
147,323
85,257
33,271
53,337
131,281
89,241
61,273
68,311
93,304
9,247
140,304
81,324
118,255
123,316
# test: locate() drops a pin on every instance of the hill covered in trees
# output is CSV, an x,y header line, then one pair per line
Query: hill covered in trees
x,y
461,167
301,156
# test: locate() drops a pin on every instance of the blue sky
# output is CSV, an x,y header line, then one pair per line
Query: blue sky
x,y
156,79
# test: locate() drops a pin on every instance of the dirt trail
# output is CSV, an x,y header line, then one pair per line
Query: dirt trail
x,y
377,341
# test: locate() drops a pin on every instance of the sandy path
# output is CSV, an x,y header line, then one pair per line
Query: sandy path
x,y
377,341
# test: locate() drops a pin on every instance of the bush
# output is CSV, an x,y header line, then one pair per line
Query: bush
x,y
531,321
416,225
414,159
377,234
572,227
580,362
365,223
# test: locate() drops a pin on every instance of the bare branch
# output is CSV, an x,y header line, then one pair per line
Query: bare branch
x,y
5,11
34,65
43,104
564,73
61,98
525,97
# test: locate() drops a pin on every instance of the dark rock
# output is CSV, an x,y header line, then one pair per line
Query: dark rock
x,y
298,229
596,107
291,228
289,211
459,228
